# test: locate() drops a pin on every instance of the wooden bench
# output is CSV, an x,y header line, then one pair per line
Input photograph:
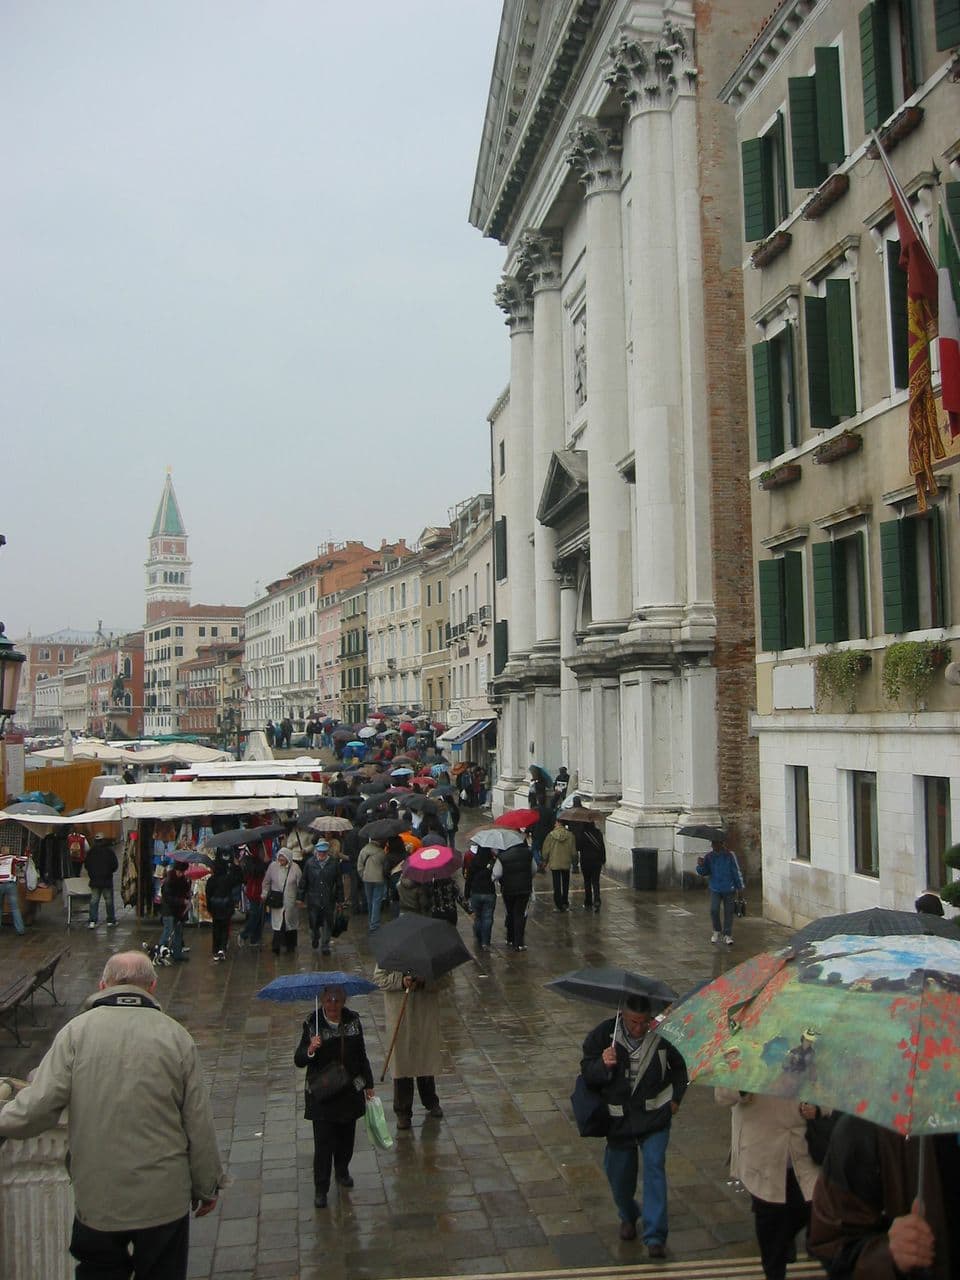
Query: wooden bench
x,y
14,993
45,977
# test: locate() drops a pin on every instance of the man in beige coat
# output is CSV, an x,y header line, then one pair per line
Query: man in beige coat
x,y
416,1053
769,1155
143,1148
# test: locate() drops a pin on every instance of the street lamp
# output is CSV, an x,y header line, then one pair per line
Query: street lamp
x,y
11,668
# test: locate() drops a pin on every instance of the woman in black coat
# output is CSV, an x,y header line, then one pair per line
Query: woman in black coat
x,y
331,1035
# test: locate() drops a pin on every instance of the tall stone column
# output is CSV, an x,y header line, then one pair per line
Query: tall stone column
x,y
594,153
540,261
672,588
569,737
513,297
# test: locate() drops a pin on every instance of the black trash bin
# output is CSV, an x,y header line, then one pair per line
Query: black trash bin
x,y
644,868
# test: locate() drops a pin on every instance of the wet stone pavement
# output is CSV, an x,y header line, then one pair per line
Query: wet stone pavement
x,y
503,1183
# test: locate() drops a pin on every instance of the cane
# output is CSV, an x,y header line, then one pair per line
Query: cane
x,y
396,1032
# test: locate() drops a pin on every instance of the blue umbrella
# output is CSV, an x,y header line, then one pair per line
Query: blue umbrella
x,y
308,986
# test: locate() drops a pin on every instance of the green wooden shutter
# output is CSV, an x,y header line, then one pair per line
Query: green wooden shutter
x,y
946,15
899,335
770,595
829,105
829,590
938,593
767,400
794,630
807,168
499,646
863,628
758,215
784,339
500,549
775,140
898,567
875,66
818,362
843,387
951,200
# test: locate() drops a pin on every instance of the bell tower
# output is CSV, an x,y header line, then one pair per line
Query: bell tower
x,y
168,565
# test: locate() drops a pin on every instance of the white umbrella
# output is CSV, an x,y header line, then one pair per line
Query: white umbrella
x,y
368,732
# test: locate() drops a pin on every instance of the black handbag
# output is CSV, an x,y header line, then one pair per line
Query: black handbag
x,y
341,922
274,899
739,905
589,1110
330,1080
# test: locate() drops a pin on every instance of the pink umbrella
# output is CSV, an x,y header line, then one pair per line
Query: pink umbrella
x,y
438,862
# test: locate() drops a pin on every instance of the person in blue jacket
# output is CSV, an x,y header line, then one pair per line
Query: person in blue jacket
x,y
725,882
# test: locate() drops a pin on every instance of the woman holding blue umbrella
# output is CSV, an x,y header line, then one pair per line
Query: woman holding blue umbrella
x,y
339,1079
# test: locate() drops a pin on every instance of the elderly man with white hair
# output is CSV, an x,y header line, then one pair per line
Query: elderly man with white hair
x,y
143,1149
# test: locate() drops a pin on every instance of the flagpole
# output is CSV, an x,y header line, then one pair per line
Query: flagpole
x,y
897,187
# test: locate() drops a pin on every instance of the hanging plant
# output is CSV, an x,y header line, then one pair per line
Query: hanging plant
x,y
909,667
838,673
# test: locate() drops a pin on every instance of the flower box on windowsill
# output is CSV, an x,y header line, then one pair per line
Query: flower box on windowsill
x,y
900,127
777,477
828,193
840,446
771,248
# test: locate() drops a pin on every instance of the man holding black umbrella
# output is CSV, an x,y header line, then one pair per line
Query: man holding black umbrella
x,y
642,1079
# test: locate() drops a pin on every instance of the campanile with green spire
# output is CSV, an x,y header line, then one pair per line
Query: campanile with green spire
x,y
168,565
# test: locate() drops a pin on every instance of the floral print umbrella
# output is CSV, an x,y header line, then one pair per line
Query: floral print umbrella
x,y
867,1025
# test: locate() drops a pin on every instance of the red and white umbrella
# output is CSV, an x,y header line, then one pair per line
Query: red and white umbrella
x,y
436,862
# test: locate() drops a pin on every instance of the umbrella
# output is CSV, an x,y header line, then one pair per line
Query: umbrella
x,y
372,786
866,1025
579,815
437,769
518,819
196,859
355,743
875,922
382,829
700,832
328,822
410,841
420,945
420,803
368,732
197,870
612,986
404,760
340,802
404,771
307,986
496,838
436,862
242,835
32,808
406,726
444,791
341,735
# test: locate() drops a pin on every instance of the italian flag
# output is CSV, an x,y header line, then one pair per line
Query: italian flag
x,y
948,289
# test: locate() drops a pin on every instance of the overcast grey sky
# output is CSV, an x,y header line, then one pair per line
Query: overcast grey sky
x,y
234,241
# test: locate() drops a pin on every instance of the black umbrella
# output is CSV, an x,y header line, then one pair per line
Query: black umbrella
x,y
382,829
443,791
612,986
373,786
700,832
420,945
242,835
340,802
420,804
875,922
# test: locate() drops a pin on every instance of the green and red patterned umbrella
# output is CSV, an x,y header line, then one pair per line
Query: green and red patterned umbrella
x,y
867,1025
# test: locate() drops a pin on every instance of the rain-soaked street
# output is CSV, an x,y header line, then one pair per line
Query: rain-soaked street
x,y
503,1183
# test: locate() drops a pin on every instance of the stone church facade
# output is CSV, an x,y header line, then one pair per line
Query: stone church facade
x,y
624,639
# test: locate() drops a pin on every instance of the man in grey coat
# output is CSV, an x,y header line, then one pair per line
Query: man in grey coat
x,y
143,1148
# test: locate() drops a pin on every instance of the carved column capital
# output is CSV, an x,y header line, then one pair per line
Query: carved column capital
x,y
513,296
651,73
567,571
593,151
539,259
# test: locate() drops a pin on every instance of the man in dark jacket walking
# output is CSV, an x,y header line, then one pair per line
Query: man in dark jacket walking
x,y
101,866
514,869
642,1079
321,888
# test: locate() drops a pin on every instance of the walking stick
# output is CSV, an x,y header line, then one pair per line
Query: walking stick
x,y
396,1032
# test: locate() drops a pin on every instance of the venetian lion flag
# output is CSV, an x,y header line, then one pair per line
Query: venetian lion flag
x,y
923,433
949,275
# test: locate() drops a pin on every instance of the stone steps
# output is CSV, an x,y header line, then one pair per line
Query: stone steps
x,y
649,1269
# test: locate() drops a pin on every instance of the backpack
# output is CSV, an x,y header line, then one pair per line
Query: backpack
x,y
444,905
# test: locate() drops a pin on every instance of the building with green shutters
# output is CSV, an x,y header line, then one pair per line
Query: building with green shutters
x,y
857,573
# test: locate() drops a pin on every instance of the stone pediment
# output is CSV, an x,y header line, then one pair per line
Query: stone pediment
x,y
565,487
